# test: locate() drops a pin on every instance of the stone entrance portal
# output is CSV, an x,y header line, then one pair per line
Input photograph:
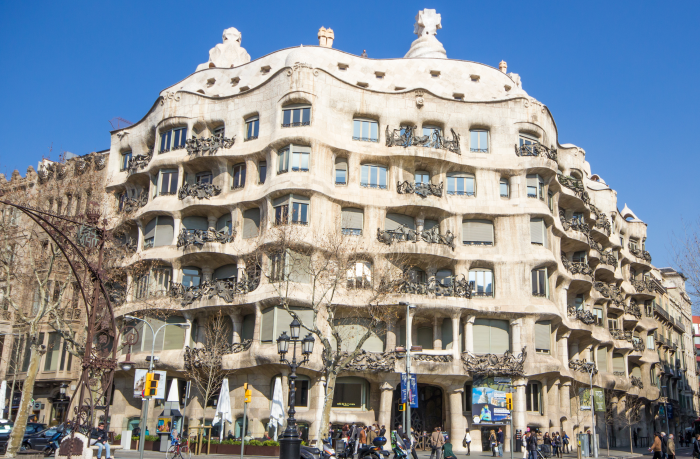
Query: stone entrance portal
x,y
428,415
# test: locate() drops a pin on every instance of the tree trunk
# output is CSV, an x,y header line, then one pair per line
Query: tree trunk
x,y
327,405
631,445
20,426
607,438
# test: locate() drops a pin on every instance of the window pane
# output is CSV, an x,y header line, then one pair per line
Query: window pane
x,y
340,176
373,131
450,185
262,168
373,177
356,129
460,185
364,179
296,116
287,117
474,139
255,128
470,185
306,118
483,142
305,161
365,129
382,177
488,282
304,213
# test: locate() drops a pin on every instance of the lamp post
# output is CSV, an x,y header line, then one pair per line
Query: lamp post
x,y
290,443
127,366
409,306
589,367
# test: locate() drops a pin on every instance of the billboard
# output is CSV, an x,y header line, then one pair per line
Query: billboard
x,y
598,399
140,383
489,401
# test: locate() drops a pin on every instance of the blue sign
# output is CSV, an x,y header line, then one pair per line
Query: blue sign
x,y
411,394
670,411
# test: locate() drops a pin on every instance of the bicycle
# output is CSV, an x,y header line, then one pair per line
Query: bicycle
x,y
181,450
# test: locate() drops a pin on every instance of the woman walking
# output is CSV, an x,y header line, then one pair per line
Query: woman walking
x,y
656,446
565,441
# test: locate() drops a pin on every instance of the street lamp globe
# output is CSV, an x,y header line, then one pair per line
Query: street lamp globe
x,y
294,329
283,343
307,345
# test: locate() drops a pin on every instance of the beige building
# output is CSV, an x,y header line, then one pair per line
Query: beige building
x,y
517,244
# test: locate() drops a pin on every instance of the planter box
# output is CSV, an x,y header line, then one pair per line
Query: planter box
x,y
257,450
133,444
151,445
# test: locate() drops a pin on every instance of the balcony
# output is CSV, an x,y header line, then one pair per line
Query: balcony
x,y
507,364
421,189
576,267
636,382
536,149
405,234
608,258
610,291
198,238
198,190
405,137
451,286
633,309
208,145
576,186
226,289
625,335
576,224
583,315
643,286
601,220
639,253
129,205
138,162
660,311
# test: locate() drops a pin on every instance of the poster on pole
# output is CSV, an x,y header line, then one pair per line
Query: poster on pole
x,y
140,384
489,401
599,400
411,394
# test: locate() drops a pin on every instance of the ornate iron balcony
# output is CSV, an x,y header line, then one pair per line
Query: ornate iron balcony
x,y
352,232
197,357
621,334
619,373
198,190
479,150
643,286
576,224
404,137
584,367
638,345
610,291
507,364
139,162
576,267
209,145
576,186
297,124
129,205
583,315
608,258
187,237
421,189
637,252
452,286
365,139
225,289
373,185
536,149
601,220
633,309
405,234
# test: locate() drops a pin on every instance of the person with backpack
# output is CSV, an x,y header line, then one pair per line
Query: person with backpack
x,y
468,442
532,446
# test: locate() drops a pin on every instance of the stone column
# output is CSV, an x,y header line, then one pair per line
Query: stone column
x,y
627,368
519,410
140,238
545,398
206,273
390,343
320,389
564,349
555,408
177,223
456,315
574,351
516,335
188,331
237,322
469,334
385,398
437,332
212,222
457,421
129,289
565,405
258,318
180,176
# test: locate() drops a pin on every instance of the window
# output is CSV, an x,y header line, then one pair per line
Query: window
x,y
533,395
191,276
238,176
479,141
417,275
275,320
613,323
352,221
341,171
365,130
602,359
433,132
444,277
543,331
650,342
126,160
225,224
158,232
477,232
173,139
540,282
421,178
460,184
527,145
168,182
192,224
535,186
578,216
251,223
350,392
373,176
550,201
598,314
226,272
538,231
262,172
296,115
251,128
359,274
481,281
504,187
154,283
580,257
203,178
53,352
394,222
618,364
219,131
299,206
634,244
172,338
298,155
491,336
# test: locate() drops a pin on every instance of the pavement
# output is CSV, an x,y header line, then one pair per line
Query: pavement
x,y
616,453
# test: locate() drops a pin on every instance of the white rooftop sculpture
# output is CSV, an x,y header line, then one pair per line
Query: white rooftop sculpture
x,y
227,54
426,27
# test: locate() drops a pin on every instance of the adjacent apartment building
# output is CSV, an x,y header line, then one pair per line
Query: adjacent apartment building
x,y
517,257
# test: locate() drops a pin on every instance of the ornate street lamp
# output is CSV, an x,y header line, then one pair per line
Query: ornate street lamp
x,y
590,368
290,443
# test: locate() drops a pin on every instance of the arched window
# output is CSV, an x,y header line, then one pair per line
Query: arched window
x,y
618,364
156,282
224,224
276,320
173,139
421,178
504,187
238,176
294,156
125,160
359,274
296,115
170,338
540,282
350,392
341,171
251,223
251,127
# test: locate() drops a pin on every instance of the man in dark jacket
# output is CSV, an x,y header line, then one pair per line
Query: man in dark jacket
x,y
532,446
499,441
382,431
102,441
664,445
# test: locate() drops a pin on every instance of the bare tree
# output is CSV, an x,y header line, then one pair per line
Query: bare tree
x,y
686,250
629,414
203,365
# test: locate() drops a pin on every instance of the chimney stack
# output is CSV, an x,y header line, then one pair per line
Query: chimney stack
x,y
502,66
325,37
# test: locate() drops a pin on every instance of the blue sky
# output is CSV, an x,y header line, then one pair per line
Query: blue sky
x,y
619,77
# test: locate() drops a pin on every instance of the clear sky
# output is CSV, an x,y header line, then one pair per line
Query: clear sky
x,y
618,76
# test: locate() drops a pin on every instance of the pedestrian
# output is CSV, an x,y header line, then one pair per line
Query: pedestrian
x,y
696,447
556,444
363,436
412,442
532,446
565,441
382,431
499,439
371,435
447,451
634,437
664,446
436,442
523,444
547,443
345,431
399,431
468,442
671,447
493,442
656,446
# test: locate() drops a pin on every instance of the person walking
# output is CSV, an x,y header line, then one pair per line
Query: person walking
x,y
634,437
500,437
671,447
436,442
565,441
547,443
664,446
532,446
468,442
523,444
656,446
382,431
556,444
412,442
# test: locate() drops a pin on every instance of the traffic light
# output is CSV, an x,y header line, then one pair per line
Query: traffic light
x,y
509,401
248,393
402,407
151,387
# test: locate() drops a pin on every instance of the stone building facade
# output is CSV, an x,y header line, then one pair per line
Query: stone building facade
x,y
524,265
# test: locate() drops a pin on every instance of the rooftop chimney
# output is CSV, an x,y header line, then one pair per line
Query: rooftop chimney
x,y
502,66
325,37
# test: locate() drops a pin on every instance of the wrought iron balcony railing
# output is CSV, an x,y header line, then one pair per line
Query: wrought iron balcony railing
x,y
198,190
639,253
450,286
608,258
208,145
621,334
507,364
405,137
536,149
581,314
226,289
643,285
421,189
620,374
129,205
139,162
187,237
610,291
659,310
352,232
601,220
633,309
365,139
576,186
638,345
576,267
296,124
576,224
405,234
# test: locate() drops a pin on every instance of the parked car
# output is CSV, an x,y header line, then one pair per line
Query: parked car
x,y
32,428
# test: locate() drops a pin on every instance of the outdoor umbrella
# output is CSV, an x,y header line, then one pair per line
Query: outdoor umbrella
x,y
277,411
223,408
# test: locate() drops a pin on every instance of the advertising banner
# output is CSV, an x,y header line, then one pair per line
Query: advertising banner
x,y
599,400
413,393
140,384
489,402
669,409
